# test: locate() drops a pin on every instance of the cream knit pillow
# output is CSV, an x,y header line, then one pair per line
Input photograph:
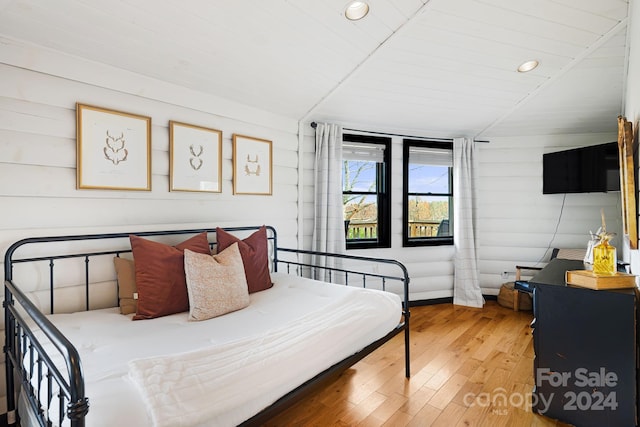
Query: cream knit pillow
x,y
216,284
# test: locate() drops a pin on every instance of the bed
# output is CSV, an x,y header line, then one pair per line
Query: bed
x,y
319,314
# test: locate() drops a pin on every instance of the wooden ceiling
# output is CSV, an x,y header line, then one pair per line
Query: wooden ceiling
x,y
437,68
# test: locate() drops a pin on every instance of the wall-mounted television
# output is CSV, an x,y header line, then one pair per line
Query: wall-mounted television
x,y
582,170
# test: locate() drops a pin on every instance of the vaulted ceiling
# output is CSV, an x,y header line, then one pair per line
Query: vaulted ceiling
x,y
438,67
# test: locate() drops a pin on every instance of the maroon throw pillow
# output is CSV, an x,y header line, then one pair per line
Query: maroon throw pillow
x,y
160,278
255,257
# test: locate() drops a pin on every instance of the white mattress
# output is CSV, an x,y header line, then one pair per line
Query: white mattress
x,y
107,341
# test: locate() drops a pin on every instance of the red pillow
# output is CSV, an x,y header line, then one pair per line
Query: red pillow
x,y
255,257
160,279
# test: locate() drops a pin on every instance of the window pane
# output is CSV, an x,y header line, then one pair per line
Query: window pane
x,y
429,216
359,175
428,179
427,210
361,216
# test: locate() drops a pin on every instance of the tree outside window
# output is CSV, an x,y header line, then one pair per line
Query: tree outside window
x,y
428,193
365,190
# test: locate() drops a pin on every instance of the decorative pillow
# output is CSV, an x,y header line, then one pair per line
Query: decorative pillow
x,y
216,284
126,274
162,288
255,256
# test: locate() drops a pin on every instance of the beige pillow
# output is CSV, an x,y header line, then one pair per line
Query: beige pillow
x,y
216,284
126,273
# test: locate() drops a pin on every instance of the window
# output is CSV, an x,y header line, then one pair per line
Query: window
x,y
366,175
428,193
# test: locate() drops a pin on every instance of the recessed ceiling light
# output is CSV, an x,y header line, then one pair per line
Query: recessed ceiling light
x,y
528,66
356,10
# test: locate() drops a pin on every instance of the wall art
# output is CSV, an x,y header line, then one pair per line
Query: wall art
x,y
252,165
627,180
195,158
113,149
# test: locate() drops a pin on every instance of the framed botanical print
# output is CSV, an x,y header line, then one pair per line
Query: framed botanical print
x,y
113,149
195,158
252,165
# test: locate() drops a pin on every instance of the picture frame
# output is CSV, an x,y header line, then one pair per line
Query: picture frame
x,y
627,180
252,165
113,149
195,158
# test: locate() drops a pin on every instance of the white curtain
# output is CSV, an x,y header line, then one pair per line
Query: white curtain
x,y
466,287
328,230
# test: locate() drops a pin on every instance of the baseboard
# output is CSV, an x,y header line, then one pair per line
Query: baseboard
x,y
445,300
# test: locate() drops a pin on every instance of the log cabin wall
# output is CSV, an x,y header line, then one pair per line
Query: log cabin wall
x,y
517,223
39,89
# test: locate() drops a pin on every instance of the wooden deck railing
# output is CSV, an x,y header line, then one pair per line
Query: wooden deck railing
x,y
358,229
423,228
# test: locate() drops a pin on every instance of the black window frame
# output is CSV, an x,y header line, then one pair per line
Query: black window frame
x,y
423,241
383,184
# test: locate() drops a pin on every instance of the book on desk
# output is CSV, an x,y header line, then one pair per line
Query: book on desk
x,y
588,279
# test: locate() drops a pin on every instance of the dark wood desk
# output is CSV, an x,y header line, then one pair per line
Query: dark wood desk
x,y
554,272
585,344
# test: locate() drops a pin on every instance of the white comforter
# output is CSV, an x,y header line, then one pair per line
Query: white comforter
x,y
172,372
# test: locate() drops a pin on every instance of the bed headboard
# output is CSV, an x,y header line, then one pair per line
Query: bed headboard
x,y
79,267
83,256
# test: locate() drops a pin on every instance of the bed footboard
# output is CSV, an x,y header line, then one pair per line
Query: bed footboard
x,y
53,395
353,270
348,270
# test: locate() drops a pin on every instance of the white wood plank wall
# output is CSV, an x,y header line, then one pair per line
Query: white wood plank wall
x,y
430,268
38,92
517,223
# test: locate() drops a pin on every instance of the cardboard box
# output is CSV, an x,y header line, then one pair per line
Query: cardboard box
x,y
588,279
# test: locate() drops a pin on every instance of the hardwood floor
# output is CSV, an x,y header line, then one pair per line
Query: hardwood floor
x,y
470,367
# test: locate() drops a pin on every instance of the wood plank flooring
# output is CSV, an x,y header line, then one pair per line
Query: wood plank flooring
x,y
470,367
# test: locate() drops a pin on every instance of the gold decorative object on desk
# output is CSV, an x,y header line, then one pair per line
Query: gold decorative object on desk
x,y
604,255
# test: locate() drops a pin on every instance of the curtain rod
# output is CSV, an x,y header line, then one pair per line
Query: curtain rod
x,y
315,125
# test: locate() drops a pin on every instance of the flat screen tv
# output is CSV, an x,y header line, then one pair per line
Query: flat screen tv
x,y
582,170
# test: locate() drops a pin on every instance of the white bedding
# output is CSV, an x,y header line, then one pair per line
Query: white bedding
x,y
323,324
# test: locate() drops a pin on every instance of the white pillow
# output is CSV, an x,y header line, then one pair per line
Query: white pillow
x,y
216,284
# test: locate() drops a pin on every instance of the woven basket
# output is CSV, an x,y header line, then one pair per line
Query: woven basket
x,y
505,297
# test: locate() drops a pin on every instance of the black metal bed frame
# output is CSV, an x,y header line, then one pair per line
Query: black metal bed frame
x,y
66,389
